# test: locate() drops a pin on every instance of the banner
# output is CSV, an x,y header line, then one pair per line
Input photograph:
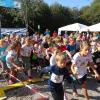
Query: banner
x,y
10,3
12,30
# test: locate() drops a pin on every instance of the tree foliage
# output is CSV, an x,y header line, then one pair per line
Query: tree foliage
x,y
91,14
37,12
60,16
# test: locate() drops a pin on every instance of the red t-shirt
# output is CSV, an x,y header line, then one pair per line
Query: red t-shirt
x,y
62,48
54,34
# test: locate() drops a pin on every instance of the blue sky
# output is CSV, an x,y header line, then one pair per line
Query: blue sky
x,y
9,3
71,3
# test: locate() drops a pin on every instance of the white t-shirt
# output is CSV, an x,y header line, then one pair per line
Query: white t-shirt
x,y
52,60
26,50
11,55
81,64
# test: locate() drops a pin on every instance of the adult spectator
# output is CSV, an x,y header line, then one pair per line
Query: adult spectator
x,y
54,34
47,32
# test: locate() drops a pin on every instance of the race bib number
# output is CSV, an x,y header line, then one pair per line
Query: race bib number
x,y
56,78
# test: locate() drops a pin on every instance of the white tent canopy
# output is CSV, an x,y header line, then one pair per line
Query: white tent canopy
x,y
71,27
92,28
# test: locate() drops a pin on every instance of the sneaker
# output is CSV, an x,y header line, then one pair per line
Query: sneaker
x,y
42,79
40,75
10,82
38,69
75,94
30,78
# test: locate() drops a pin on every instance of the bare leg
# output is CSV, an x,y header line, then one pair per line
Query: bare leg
x,y
29,72
84,90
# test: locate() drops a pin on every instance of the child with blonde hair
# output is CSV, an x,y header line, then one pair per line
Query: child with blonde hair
x,y
58,73
79,66
26,50
12,61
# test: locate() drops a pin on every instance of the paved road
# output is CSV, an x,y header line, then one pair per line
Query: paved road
x,y
25,94
93,90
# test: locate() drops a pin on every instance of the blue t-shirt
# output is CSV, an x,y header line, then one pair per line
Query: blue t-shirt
x,y
71,47
3,53
98,35
47,33
57,77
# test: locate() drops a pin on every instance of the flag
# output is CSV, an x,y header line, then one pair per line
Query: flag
x,y
10,3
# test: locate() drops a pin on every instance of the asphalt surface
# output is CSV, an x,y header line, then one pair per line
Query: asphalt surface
x,y
24,93
40,90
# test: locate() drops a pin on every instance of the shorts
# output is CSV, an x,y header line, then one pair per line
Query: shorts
x,y
82,80
10,66
26,62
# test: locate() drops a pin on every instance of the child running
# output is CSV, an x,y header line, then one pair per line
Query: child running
x,y
58,74
26,53
12,61
79,66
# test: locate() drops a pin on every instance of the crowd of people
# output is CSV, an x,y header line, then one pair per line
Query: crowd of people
x,y
65,57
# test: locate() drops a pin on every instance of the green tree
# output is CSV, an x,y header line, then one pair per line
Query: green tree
x,y
91,14
11,17
60,16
